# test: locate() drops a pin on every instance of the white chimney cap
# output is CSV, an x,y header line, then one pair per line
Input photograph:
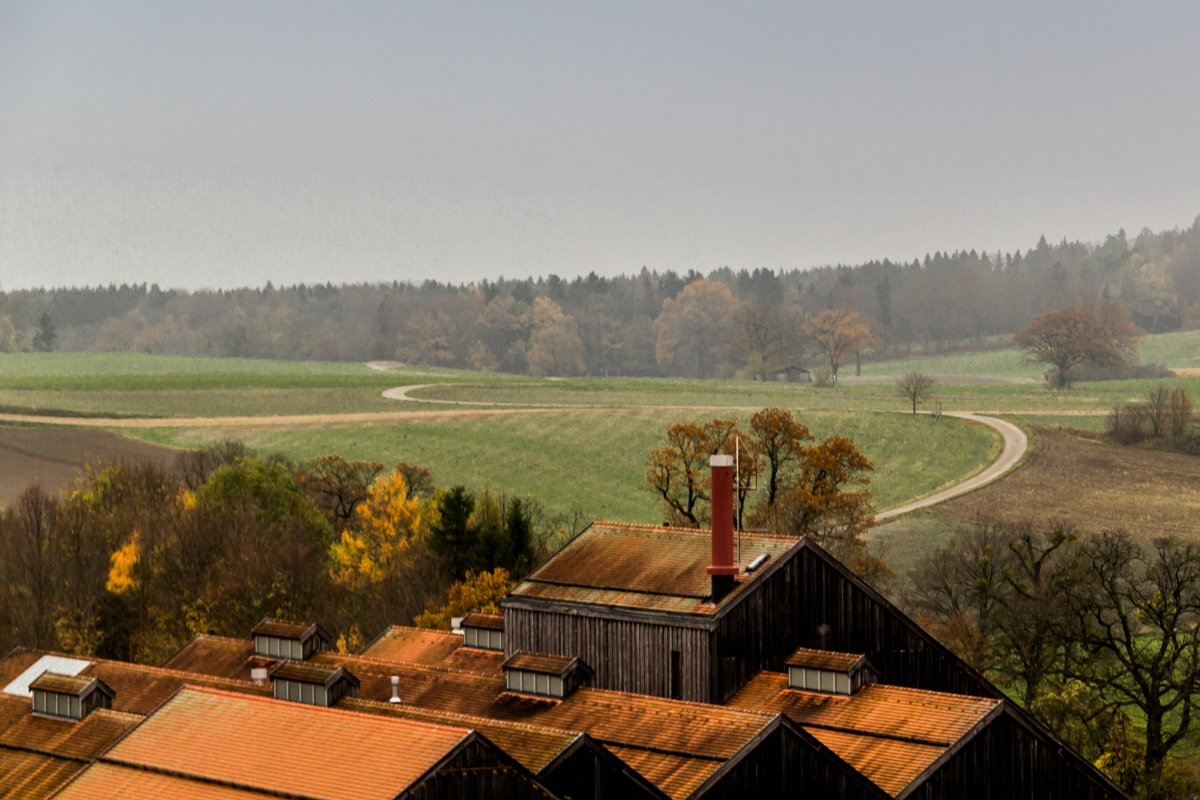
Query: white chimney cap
x,y
720,460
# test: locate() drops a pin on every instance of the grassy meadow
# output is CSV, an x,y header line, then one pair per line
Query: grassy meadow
x,y
578,444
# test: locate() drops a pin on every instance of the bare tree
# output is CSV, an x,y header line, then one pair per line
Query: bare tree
x,y
915,386
1136,611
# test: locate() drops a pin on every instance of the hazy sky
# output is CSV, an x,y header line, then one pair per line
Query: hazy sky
x,y
214,144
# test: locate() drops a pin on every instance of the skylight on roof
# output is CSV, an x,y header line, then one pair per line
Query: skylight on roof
x,y
59,665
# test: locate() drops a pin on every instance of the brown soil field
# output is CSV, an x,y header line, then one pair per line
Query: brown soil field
x,y
53,456
1094,485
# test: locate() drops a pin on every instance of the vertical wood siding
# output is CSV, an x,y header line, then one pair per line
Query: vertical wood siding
x,y
625,655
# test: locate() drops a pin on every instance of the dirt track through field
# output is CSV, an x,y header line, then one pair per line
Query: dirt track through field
x,y
1015,443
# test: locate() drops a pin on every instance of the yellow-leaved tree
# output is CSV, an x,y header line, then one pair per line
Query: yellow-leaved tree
x,y
478,591
382,529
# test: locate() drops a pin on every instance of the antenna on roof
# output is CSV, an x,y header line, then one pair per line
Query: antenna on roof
x,y
395,698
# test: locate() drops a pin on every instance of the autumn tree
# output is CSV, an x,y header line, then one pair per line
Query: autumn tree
x,y
554,346
695,330
836,335
915,386
678,471
829,503
477,591
336,485
781,441
1071,336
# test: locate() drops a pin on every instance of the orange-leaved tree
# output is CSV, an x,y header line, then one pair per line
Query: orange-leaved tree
x,y
836,335
678,471
1065,338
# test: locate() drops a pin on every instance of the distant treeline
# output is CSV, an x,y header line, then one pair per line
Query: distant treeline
x,y
728,322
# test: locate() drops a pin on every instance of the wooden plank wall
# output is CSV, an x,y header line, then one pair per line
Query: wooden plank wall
x,y
625,655
1007,759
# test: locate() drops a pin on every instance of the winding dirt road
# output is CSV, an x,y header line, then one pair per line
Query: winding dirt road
x,y
1015,443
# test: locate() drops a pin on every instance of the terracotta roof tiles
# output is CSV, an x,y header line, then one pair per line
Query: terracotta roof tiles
x,y
478,619
890,734
235,738
541,663
104,781
26,775
87,738
644,567
824,659
400,643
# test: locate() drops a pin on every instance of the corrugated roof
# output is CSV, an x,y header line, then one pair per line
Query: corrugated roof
x,y
236,738
420,645
890,734
541,663
103,781
823,659
33,776
478,619
643,567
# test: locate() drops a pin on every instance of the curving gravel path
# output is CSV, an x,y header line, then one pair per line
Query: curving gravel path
x,y
1016,443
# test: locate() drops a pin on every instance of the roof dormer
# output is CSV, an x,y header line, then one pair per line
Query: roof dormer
x,y
830,672
275,638
69,697
548,676
312,684
485,631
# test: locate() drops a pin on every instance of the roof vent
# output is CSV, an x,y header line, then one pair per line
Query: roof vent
x,y
259,675
757,562
548,676
485,631
275,638
829,672
312,684
395,698
69,697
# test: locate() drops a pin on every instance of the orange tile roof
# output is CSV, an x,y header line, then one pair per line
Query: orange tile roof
x,y
533,746
285,629
420,645
644,567
823,659
20,727
222,656
676,776
236,738
471,659
690,729
104,781
478,619
26,775
322,674
890,734
540,662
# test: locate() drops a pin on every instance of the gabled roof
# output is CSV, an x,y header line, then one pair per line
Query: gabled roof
x,y
488,622
31,775
683,743
66,684
320,674
824,659
236,739
85,739
646,568
890,734
116,780
542,663
285,629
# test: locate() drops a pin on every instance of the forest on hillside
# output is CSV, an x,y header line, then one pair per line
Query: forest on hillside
x,y
745,322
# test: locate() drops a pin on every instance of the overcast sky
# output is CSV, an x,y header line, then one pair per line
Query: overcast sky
x,y
214,144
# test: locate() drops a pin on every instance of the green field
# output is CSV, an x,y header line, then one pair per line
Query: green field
x,y
585,447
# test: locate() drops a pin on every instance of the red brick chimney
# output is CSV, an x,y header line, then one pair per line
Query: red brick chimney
x,y
723,569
